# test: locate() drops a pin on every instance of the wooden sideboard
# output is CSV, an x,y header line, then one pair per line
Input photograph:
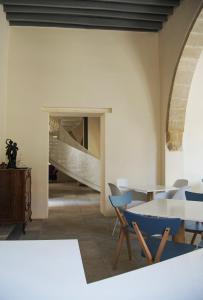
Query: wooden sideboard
x,y
15,196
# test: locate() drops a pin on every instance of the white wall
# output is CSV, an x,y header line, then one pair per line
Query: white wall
x,y
86,68
4,40
171,41
193,134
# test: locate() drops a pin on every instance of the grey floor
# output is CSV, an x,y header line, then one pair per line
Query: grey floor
x,y
5,231
74,214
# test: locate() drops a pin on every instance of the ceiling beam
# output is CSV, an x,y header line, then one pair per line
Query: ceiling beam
x,y
86,21
147,2
83,12
90,4
63,2
102,27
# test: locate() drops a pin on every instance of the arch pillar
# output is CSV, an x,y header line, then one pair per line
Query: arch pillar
x,y
181,86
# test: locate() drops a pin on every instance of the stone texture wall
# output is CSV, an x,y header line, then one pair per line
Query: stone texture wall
x,y
182,84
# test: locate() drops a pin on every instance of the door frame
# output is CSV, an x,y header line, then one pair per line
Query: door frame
x,y
87,112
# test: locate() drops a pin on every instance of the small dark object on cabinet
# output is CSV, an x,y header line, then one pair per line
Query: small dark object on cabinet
x,y
11,153
15,196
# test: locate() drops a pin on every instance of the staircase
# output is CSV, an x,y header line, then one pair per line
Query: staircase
x,y
69,157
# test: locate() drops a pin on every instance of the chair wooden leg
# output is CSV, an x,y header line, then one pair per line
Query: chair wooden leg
x,y
180,235
143,244
118,249
193,238
127,236
119,232
115,225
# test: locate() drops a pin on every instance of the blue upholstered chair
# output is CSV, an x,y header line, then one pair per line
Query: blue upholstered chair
x,y
141,198
156,249
137,198
192,226
119,203
121,200
193,196
200,244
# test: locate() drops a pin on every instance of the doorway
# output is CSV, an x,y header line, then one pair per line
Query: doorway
x,y
75,160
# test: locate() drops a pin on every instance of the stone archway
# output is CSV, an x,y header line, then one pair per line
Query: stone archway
x,y
181,85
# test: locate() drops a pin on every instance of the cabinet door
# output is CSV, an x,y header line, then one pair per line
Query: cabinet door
x,y
18,196
6,199
28,193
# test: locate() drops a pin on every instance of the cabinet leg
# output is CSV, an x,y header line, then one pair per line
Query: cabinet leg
x,y
30,218
24,225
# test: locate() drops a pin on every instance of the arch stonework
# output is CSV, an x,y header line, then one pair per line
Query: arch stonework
x,y
181,85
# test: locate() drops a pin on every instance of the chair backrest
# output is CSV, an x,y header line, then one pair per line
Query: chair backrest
x,y
122,200
193,196
153,225
114,190
180,183
180,193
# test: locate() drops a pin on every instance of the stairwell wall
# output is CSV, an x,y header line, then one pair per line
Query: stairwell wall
x,y
86,68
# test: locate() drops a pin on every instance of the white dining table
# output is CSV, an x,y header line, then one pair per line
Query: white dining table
x,y
171,208
41,270
53,270
150,190
179,278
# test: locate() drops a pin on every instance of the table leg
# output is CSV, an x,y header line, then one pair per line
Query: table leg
x,y
150,196
180,235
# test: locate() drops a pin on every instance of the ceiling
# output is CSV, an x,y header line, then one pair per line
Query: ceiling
x,y
137,15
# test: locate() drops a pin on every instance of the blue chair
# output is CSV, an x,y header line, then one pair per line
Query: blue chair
x,y
120,203
115,191
192,226
121,200
157,249
200,244
193,196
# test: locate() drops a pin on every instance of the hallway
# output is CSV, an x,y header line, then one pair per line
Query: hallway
x,y
71,194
